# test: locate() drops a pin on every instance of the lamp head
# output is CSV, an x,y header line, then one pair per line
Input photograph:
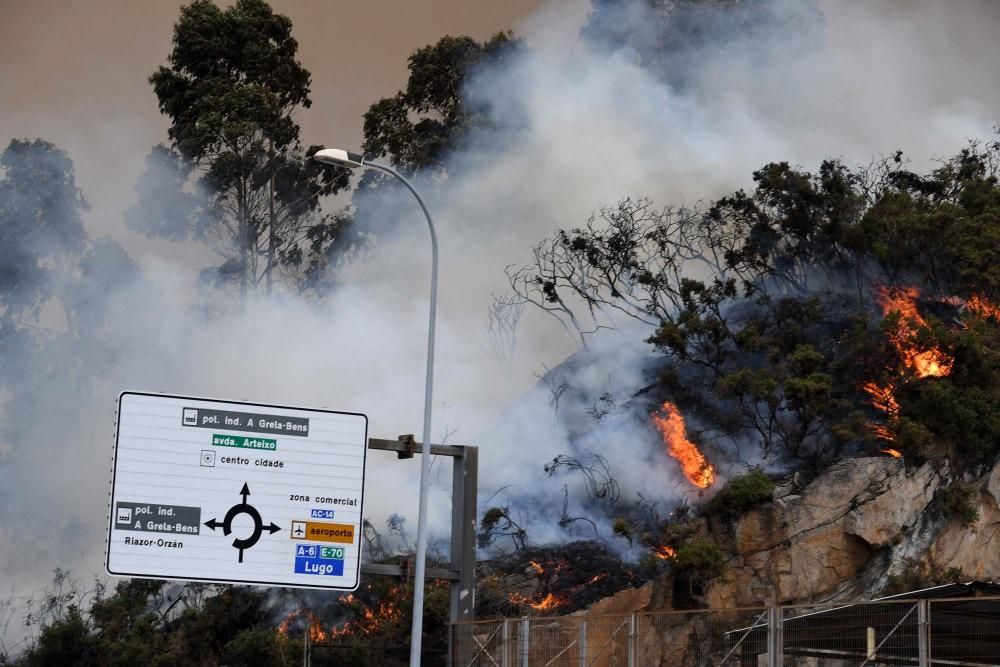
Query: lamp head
x,y
339,158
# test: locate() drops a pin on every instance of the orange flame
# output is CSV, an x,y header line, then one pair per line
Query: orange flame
x,y
894,453
548,603
315,627
903,300
670,423
883,431
883,398
537,567
923,363
982,307
665,552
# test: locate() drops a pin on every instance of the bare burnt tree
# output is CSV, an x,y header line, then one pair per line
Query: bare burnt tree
x,y
628,260
557,384
504,315
596,473
374,544
496,523
566,521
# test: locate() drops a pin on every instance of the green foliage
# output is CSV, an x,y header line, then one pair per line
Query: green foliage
x,y
776,333
40,224
136,624
916,576
700,557
961,502
231,88
261,647
418,126
67,642
944,228
741,493
497,522
622,528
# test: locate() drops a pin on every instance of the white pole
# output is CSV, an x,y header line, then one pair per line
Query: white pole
x,y
416,631
339,157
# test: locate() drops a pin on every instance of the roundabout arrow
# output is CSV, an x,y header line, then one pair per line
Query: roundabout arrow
x,y
244,507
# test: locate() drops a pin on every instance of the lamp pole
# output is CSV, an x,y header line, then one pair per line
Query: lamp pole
x,y
342,158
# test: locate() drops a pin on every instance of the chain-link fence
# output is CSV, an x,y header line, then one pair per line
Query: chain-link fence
x,y
921,632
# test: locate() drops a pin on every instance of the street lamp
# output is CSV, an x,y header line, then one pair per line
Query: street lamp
x,y
341,158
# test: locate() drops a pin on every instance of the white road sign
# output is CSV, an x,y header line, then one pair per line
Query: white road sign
x,y
246,493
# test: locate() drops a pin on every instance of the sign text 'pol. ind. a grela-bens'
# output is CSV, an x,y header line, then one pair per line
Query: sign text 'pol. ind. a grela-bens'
x,y
232,492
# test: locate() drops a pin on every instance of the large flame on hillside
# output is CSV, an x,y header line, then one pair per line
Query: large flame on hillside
x,y
922,363
669,421
903,300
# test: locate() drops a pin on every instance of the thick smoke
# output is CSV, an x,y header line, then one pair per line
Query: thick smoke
x,y
578,122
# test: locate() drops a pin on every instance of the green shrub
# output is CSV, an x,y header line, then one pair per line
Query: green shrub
x,y
741,493
959,501
916,576
700,557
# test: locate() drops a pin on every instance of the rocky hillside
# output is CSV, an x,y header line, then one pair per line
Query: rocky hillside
x,y
864,527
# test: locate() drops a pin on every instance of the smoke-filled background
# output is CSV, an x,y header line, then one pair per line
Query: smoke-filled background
x,y
579,119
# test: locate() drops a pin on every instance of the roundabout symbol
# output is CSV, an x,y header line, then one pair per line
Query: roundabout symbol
x,y
251,511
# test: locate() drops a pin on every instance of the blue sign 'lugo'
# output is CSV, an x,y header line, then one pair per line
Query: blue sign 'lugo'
x,y
325,566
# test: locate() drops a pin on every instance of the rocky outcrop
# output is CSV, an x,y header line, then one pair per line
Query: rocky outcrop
x,y
808,542
973,549
840,537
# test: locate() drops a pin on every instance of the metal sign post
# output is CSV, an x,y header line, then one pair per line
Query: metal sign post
x,y
462,570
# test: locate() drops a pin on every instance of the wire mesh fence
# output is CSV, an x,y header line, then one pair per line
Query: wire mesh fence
x,y
921,632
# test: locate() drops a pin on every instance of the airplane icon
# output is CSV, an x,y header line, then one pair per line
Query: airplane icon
x,y
298,529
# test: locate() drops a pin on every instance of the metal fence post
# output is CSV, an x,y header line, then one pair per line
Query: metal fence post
x,y
924,633
775,640
633,641
505,644
523,639
582,644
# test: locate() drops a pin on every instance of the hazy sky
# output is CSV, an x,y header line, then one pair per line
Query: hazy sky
x,y
75,73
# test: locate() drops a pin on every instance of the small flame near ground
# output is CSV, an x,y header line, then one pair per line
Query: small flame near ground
x,y
982,307
669,421
664,552
548,603
551,601
368,620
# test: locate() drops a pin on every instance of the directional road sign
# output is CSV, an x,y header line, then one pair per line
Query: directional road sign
x,y
232,492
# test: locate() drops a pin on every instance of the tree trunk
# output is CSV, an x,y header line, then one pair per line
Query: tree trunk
x,y
271,233
244,237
